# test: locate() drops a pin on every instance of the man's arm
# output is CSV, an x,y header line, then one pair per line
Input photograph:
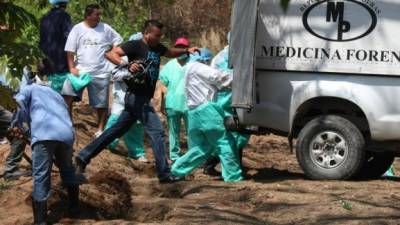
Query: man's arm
x,y
23,99
115,54
175,52
71,64
70,48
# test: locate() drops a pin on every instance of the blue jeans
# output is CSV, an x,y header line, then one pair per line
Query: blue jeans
x,y
15,156
42,162
136,108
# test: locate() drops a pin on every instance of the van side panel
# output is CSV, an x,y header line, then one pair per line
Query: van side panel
x,y
280,94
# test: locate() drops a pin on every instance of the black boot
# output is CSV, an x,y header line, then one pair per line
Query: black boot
x,y
80,165
209,166
39,212
73,197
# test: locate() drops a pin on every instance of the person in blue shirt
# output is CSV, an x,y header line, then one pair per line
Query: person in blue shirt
x,y
44,113
54,29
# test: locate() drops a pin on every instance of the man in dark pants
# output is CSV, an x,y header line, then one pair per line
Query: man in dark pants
x,y
11,170
137,100
54,29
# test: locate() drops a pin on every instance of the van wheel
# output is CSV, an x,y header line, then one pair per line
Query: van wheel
x,y
330,147
375,165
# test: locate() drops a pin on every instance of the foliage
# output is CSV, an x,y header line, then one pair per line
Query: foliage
x,y
19,29
14,52
114,12
7,101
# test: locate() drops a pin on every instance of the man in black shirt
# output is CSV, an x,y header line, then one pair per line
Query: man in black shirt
x,y
137,100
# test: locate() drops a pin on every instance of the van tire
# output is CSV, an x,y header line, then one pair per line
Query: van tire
x,y
341,144
375,165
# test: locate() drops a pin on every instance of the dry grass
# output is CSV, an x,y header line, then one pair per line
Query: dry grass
x,y
212,39
205,21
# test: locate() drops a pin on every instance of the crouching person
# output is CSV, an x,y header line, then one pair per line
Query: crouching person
x,y
206,128
46,115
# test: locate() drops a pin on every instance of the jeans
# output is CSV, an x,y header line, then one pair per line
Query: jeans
x,y
136,108
133,138
42,162
17,146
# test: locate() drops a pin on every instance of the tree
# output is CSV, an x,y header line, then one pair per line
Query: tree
x,y
19,33
15,54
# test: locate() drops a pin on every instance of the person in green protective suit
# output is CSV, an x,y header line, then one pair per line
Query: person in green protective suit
x,y
206,120
172,76
224,100
134,137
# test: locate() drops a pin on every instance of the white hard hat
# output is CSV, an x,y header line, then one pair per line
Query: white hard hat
x,y
53,2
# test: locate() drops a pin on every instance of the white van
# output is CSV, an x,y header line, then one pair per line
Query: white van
x,y
326,73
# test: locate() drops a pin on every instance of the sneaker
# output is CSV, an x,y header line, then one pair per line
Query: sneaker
x,y
16,175
142,159
98,133
171,179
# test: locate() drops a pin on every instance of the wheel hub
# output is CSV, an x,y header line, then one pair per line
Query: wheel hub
x,y
328,149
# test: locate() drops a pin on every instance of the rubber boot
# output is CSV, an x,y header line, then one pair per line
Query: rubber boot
x,y
73,197
39,212
80,166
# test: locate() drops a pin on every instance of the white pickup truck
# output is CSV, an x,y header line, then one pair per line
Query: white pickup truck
x,y
325,73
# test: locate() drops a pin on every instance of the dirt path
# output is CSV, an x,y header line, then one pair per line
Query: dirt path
x,y
123,191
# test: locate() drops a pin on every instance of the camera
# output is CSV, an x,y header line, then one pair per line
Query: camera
x,y
139,77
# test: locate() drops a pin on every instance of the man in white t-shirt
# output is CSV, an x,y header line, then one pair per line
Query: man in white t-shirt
x,y
86,46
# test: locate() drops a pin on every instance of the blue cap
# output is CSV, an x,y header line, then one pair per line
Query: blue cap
x,y
136,36
205,55
53,2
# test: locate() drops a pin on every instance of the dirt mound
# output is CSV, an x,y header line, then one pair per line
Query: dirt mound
x,y
110,193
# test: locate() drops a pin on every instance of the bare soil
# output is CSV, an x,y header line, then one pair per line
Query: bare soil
x,y
124,191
